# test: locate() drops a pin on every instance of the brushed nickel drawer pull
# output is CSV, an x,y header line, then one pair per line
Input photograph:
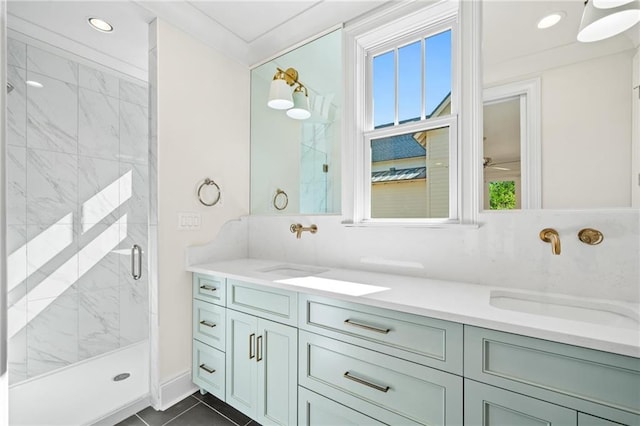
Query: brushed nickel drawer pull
x,y
208,288
207,369
367,327
252,348
384,389
207,323
259,349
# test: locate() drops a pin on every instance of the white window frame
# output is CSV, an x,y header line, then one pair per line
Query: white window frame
x,y
377,31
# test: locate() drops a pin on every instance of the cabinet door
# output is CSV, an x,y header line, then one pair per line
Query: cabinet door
x,y
490,406
241,362
277,362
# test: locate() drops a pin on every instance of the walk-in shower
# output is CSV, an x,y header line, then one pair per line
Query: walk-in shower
x,y
77,233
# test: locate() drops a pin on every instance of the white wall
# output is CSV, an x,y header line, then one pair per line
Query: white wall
x,y
586,134
203,131
635,133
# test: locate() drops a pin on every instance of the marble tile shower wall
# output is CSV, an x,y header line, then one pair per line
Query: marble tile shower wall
x,y
77,202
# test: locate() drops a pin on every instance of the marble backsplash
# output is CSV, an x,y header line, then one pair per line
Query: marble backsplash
x,y
504,250
77,201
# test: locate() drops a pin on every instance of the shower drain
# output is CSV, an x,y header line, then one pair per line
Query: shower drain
x,y
121,376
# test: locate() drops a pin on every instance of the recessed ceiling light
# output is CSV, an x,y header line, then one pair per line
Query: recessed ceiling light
x,y
100,25
34,83
550,20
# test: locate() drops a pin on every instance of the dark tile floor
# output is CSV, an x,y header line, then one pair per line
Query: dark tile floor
x,y
194,410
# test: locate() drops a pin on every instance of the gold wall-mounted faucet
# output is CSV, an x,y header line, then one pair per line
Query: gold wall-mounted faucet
x,y
298,229
549,235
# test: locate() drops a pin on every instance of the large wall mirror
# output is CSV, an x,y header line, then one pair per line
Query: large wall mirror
x,y
558,121
295,150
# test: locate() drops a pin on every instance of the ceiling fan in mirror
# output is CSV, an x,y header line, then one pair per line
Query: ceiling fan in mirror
x,y
488,163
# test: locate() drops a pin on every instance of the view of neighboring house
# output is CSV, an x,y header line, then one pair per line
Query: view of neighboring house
x,y
410,173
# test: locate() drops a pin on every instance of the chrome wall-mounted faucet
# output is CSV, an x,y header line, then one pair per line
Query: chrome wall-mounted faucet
x,y
298,229
549,235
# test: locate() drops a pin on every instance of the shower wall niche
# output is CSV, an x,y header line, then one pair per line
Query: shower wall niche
x,y
77,203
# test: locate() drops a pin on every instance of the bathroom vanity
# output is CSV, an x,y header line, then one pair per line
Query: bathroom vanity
x,y
293,344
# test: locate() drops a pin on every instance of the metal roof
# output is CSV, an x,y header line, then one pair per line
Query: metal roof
x,y
395,148
399,174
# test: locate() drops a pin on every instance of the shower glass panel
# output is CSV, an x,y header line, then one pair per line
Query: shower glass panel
x,y
77,203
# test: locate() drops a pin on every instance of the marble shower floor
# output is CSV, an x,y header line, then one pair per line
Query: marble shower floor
x,y
194,410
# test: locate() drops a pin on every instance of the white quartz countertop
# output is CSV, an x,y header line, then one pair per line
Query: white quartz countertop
x,y
592,324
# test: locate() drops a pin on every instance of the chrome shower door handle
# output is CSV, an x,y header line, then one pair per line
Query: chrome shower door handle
x,y
136,272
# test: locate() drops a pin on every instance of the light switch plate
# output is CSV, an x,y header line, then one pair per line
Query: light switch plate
x,y
189,221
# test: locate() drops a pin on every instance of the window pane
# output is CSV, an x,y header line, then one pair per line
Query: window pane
x,y
502,195
438,74
410,175
384,77
409,82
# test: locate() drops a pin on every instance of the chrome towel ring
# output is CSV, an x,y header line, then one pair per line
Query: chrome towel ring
x,y
280,200
208,182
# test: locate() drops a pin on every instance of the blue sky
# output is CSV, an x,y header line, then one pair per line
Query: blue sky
x,y
438,79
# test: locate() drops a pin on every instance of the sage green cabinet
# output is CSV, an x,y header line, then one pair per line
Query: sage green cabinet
x,y
588,420
208,370
486,405
262,368
389,389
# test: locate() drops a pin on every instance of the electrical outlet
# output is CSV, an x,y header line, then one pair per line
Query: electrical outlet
x,y
189,221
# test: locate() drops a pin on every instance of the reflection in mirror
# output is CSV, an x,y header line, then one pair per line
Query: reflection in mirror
x,y
289,153
501,161
586,98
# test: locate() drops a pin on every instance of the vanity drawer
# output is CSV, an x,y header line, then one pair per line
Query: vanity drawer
x,y
209,324
427,341
380,385
316,410
265,302
587,380
209,288
208,370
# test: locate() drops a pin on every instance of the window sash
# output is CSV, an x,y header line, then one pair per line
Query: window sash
x,y
450,121
449,24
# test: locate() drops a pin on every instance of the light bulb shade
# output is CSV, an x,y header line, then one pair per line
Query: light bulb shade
x,y
608,4
599,24
280,95
300,110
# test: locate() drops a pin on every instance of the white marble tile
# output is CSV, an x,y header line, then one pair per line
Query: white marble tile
x,y
98,191
52,260
16,263
17,350
99,322
98,261
17,107
98,127
52,115
52,333
504,250
16,185
134,133
98,81
52,182
134,93
16,53
51,65
134,193
134,313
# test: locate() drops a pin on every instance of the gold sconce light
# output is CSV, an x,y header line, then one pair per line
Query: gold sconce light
x,y
281,96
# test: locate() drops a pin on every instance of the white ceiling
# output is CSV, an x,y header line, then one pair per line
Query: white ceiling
x,y
249,31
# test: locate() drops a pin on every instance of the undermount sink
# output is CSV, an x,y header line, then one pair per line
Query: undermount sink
x,y
294,270
566,308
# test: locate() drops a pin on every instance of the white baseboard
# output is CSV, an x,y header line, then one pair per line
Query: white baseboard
x,y
175,390
124,413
